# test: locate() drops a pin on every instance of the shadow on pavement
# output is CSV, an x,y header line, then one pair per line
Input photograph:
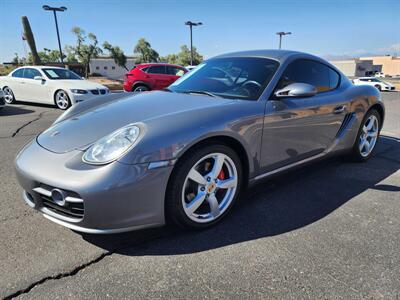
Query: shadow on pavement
x,y
279,205
10,110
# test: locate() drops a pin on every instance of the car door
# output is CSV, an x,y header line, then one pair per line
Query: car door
x,y
15,81
35,90
299,128
174,73
159,77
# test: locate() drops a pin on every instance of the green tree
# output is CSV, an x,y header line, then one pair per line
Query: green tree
x,y
144,52
184,56
170,58
117,54
86,47
16,60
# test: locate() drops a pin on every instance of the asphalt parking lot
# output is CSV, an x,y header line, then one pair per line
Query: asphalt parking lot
x,y
330,230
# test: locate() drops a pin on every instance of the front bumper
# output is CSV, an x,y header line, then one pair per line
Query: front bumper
x,y
76,98
388,88
116,197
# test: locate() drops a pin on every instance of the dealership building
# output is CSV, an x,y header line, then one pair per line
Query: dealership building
x,y
106,67
368,66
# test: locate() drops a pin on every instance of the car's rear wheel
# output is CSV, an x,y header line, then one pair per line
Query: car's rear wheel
x,y
140,88
204,186
8,95
367,136
61,99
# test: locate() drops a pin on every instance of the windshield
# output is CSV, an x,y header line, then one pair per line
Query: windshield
x,y
234,77
61,74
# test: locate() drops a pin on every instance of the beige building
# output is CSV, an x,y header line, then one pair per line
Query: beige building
x,y
390,64
105,66
356,67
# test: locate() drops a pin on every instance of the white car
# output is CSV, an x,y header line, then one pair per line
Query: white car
x,y
2,100
379,74
379,84
48,85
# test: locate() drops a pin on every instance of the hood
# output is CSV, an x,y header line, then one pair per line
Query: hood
x,y
79,84
81,130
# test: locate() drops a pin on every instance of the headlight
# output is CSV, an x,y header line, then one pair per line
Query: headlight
x,y
112,146
77,91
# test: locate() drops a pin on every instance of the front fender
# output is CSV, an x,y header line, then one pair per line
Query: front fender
x,y
170,136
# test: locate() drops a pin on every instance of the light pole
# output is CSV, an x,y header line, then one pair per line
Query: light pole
x,y
55,9
281,33
191,24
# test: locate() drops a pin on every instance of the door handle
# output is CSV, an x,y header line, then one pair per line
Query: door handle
x,y
339,109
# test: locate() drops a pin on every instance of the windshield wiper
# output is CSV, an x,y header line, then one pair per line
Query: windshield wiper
x,y
201,92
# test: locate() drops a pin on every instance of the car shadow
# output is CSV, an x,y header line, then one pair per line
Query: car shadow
x,y
10,110
273,207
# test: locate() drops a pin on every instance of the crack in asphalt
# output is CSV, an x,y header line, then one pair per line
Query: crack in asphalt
x,y
27,124
139,244
58,276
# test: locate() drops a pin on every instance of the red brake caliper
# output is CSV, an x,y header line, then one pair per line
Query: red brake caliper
x,y
221,175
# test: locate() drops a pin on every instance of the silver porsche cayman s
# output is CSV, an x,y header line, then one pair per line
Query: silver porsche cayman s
x,y
185,153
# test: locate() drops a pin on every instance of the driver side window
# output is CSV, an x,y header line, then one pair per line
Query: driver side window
x,y
311,72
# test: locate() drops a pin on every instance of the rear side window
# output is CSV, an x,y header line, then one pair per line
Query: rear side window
x,y
311,72
18,73
144,69
31,73
334,79
171,70
156,70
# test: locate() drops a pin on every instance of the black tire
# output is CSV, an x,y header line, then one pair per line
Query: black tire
x,y
64,104
140,88
7,91
355,152
174,207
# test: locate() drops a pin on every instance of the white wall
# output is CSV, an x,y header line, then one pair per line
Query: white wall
x,y
108,68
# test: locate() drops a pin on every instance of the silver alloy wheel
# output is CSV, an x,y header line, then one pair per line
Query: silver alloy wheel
x,y
141,88
209,187
368,136
62,100
8,95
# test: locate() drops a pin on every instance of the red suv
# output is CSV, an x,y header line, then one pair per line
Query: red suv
x,y
146,77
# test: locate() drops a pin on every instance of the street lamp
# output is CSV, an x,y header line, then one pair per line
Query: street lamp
x,y
55,9
281,33
191,24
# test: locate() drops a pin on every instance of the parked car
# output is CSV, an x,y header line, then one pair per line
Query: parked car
x,y
185,153
2,100
154,76
48,85
190,68
379,74
379,84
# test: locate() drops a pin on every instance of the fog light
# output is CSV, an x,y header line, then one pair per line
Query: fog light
x,y
58,196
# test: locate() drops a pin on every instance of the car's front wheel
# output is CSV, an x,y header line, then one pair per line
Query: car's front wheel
x,y
204,186
367,137
62,100
8,95
378,87
140,88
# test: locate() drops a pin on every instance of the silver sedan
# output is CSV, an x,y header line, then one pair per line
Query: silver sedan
x,y
185,153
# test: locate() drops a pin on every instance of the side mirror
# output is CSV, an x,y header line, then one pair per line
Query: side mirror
x,y
39,78
296,90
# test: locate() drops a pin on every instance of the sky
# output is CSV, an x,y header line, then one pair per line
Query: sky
x,y
337,28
